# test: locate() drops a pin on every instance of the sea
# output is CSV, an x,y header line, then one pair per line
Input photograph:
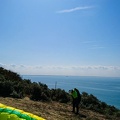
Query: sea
x,y
106,89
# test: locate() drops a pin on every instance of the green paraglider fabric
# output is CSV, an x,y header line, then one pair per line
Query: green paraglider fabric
x,y
10,113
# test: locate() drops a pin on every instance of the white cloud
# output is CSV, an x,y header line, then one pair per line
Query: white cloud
x,y
98,70
74,9
1,65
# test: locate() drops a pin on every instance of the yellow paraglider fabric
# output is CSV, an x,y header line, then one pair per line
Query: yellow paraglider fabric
x,y
11,113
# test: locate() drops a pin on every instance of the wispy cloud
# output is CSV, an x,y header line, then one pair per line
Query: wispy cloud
x,y
88,42
74,9
88,70
93,45
97,47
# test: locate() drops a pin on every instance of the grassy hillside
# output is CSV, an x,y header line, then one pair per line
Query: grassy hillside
x,y
52,104
54,110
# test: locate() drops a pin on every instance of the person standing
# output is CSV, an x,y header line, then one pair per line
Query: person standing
x,y
76,97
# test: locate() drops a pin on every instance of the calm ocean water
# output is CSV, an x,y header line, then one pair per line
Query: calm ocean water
x,y
106,89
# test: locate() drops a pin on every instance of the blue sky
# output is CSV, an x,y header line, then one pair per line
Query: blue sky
x,y
60,37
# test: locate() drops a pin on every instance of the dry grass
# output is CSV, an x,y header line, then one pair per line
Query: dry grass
x,y
51,110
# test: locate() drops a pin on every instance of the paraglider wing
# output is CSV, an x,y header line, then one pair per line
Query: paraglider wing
x,y
11,113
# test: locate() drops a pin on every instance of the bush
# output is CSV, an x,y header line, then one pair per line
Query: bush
x,y
92,103
40,92
14,94
60,95
117,114
36,93
9,75
6,88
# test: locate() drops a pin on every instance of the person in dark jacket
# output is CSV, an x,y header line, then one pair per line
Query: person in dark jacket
x,y
76,100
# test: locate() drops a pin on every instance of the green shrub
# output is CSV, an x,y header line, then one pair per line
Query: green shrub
x,y
9,75
36,92
6,88
14,94
60,95
44,97
117,114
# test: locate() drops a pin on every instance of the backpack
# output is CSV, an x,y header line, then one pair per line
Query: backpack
x,y
78,93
